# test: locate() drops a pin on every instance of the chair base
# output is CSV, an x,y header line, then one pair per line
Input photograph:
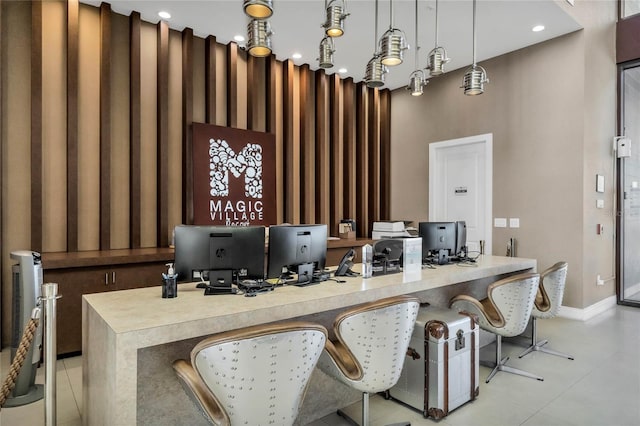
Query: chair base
x,y
365,414
539,346
507,369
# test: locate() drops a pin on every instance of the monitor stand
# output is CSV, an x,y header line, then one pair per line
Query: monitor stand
x,y
305,273
220,282
443,257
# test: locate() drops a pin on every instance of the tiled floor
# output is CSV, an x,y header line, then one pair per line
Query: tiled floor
x,y
601,387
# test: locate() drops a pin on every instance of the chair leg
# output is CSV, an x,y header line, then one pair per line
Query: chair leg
x,y
500,364
365,414
539,345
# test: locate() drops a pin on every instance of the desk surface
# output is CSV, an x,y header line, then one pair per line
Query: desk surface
x,y
117,324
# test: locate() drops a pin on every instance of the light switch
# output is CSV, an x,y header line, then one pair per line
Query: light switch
x,y
514,222
600,204
500,222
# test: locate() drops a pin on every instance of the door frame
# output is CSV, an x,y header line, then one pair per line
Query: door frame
x,y
486,140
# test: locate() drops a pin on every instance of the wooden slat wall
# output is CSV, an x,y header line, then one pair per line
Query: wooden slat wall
x,y
331,135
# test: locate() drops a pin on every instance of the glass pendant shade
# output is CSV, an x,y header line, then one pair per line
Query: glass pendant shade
x,y
259,43
259,9
334,25
436,60
392,47
325,60
417,82
474,80
374,76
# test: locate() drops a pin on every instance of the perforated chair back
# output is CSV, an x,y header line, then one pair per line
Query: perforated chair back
x,y
257,376
551,291
371,345
513,299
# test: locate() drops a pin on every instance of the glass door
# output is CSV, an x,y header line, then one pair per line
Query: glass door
x,y
629,188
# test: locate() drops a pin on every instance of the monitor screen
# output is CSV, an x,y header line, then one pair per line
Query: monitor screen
x,y
215,253
437,237
296,249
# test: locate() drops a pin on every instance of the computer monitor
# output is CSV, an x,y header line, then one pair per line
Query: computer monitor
x,y
438,240
461,238
219,254
299,249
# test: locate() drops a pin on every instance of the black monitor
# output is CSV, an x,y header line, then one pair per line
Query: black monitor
x,y
219,254
297,249
438,240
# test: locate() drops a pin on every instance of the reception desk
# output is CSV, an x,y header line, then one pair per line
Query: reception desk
x,y
122,329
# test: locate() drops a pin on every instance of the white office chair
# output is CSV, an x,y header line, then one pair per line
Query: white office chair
x,y
253,376
505,312
547,304
370,347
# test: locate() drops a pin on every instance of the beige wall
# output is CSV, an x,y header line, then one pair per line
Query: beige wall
x,y
551,109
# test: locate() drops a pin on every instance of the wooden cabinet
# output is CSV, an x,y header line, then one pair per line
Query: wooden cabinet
x,y
94,272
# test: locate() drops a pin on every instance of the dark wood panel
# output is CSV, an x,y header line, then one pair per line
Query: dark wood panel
x,y
36,126
210,79
135,134
337,189
73,40
232,85
322,136
105,126
362,172
350,154
373,143
163,135
1,174
308,190
187,119
252,92
271,95
385,154
627,39
291,151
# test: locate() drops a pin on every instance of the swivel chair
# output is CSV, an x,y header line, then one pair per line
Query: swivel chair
x,y
505,312
254,376
371,342
547,304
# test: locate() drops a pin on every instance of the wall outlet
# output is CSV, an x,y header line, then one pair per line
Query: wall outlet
x,y
500,222
599,281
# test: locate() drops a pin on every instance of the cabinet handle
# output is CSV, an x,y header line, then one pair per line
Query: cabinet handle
x,y
106,278
113,277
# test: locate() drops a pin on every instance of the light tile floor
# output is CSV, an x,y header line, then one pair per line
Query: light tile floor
x,y
601,387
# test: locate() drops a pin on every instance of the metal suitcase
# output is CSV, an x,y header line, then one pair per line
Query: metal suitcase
x,y
449,375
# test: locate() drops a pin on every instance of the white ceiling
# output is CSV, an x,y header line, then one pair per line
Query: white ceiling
x,y
502,26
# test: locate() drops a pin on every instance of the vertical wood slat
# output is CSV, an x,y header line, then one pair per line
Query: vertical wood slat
x,y
210,79
163,134
73,40
187,119
105,126
350,156
385,154
135,134
362,177
36,126
308,188
337,153
252,92
373,143
291,148
232,85
322,136
271,123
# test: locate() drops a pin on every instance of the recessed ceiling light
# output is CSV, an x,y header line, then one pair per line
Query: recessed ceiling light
x,y
296,55
342,70
238,37
537,28
164,14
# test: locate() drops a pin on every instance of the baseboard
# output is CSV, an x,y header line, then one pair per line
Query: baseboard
x,y
588,312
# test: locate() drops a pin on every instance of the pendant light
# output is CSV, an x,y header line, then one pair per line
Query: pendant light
x,y
392,43
327,49
438,55
259,43
334,25
374,75
417,78
475,76
259,9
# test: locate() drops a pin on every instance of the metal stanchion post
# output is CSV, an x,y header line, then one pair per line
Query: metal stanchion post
x,y
49,298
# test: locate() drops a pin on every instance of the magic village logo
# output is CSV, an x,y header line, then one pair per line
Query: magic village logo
x,y
235,210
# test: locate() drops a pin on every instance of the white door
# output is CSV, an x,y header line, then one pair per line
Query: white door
x,y
460,186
